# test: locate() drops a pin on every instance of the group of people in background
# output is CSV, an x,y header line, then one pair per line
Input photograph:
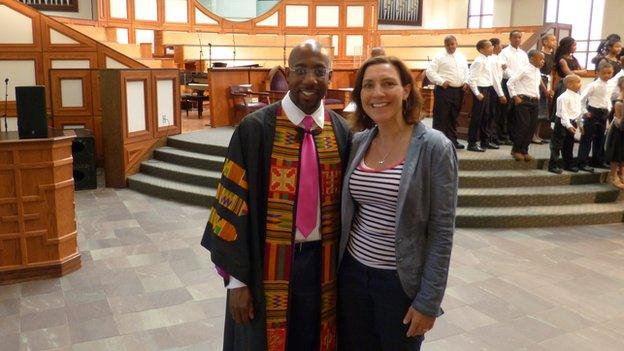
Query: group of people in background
x,y
514,98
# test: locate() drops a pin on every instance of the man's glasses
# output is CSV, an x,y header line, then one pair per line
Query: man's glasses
x,y
317,71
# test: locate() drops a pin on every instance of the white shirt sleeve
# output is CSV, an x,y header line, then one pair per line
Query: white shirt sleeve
x,y
475,71
511,84
585,96
235,283
432,71
497,84
566,113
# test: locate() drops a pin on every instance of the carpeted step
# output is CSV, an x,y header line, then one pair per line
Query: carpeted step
x,y
196,142
183,174
538,195
172,190
528,177
539,216
189,158
506,163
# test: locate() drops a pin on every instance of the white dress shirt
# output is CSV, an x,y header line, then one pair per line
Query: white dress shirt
x,y
496,66
612,87
569,108
296,116
481,75
515,59
526,82
596,95
446,67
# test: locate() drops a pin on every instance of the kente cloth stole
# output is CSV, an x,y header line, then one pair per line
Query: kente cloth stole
x,y
280,228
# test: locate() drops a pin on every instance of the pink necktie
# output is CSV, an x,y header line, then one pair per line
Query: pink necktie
x,y
307,201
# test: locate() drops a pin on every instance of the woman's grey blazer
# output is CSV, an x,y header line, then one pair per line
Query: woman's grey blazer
x,y
425,213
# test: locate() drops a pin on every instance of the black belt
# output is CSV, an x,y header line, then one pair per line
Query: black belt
x,y
307,245
528,98
604,110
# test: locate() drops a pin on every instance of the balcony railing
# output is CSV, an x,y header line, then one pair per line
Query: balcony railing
x,y
406,12
53,5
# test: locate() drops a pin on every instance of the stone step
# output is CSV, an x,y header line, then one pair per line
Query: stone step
x,y
172,190
196,142
524,178
501,164
539,216
189,158
538,195
183,174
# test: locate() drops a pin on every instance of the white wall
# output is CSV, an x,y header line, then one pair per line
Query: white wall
x,y
527,12
87,9
439,14
613,18
502,13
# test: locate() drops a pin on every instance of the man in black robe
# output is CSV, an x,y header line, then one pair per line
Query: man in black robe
x,y
281,281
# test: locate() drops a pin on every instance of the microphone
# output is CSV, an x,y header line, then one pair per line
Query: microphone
x,y
6,103
6,81
210,55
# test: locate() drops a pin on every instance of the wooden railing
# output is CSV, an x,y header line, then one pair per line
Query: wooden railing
x,y
406,12
53,5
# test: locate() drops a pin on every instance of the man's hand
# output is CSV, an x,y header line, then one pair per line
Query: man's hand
x,y
446,84
502,100
240,305
572,130
419,323
465,87
480,97
517,100
550,93
588,115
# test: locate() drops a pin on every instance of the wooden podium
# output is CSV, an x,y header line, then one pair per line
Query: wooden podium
x,y
37,214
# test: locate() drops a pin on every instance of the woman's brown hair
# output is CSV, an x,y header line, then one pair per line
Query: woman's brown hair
x,y
411,105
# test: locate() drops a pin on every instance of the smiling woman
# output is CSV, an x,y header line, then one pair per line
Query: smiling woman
x,y
240,10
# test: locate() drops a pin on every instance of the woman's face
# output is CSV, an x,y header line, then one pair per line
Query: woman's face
x,y
573,47
382,94
615,49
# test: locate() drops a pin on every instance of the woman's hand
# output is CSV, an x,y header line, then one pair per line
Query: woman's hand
x,y
419,323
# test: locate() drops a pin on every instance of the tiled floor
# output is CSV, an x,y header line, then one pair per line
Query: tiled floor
x,y
146,284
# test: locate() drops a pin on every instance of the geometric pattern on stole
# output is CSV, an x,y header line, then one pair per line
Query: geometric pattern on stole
x,y
280,227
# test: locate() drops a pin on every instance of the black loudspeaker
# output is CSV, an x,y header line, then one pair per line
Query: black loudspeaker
x,y
83,152
31,112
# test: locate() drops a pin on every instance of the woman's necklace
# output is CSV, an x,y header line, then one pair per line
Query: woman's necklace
x,y
383,160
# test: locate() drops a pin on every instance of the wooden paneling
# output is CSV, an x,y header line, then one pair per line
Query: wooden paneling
x,y
37,215
125,150
39,76
56,77
220,80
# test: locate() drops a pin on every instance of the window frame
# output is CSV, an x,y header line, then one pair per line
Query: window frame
x,y
480,15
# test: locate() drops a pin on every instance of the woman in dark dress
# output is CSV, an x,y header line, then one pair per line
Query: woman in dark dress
x,y
602,50
565,63
614,153
549,43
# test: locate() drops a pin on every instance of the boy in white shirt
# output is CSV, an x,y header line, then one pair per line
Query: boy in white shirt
x,y
496,107
596,103
524,88
482,82
568,114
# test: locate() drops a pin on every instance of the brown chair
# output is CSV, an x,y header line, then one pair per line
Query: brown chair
x,y
276,83
246,101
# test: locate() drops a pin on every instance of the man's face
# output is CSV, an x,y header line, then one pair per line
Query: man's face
x,y
497,48
515,40
308,77
451,46
487,49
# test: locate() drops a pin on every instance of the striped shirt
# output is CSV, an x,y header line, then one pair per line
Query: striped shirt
x,y
372,236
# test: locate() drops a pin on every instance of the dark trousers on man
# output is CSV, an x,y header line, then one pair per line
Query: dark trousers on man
x,y
505,117
495,111
305,298
371,307
524,123
480,116
593,137
446,106
561,143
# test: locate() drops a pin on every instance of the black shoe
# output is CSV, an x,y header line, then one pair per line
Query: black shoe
x,y
491,146
495,142
506,142
460,146
603,166
555,170
586,168
572,169
474,147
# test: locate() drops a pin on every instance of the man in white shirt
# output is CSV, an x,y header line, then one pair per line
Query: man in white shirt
x,y
596,103
513,59
482,82
449,72
568,112
524,88
496,107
